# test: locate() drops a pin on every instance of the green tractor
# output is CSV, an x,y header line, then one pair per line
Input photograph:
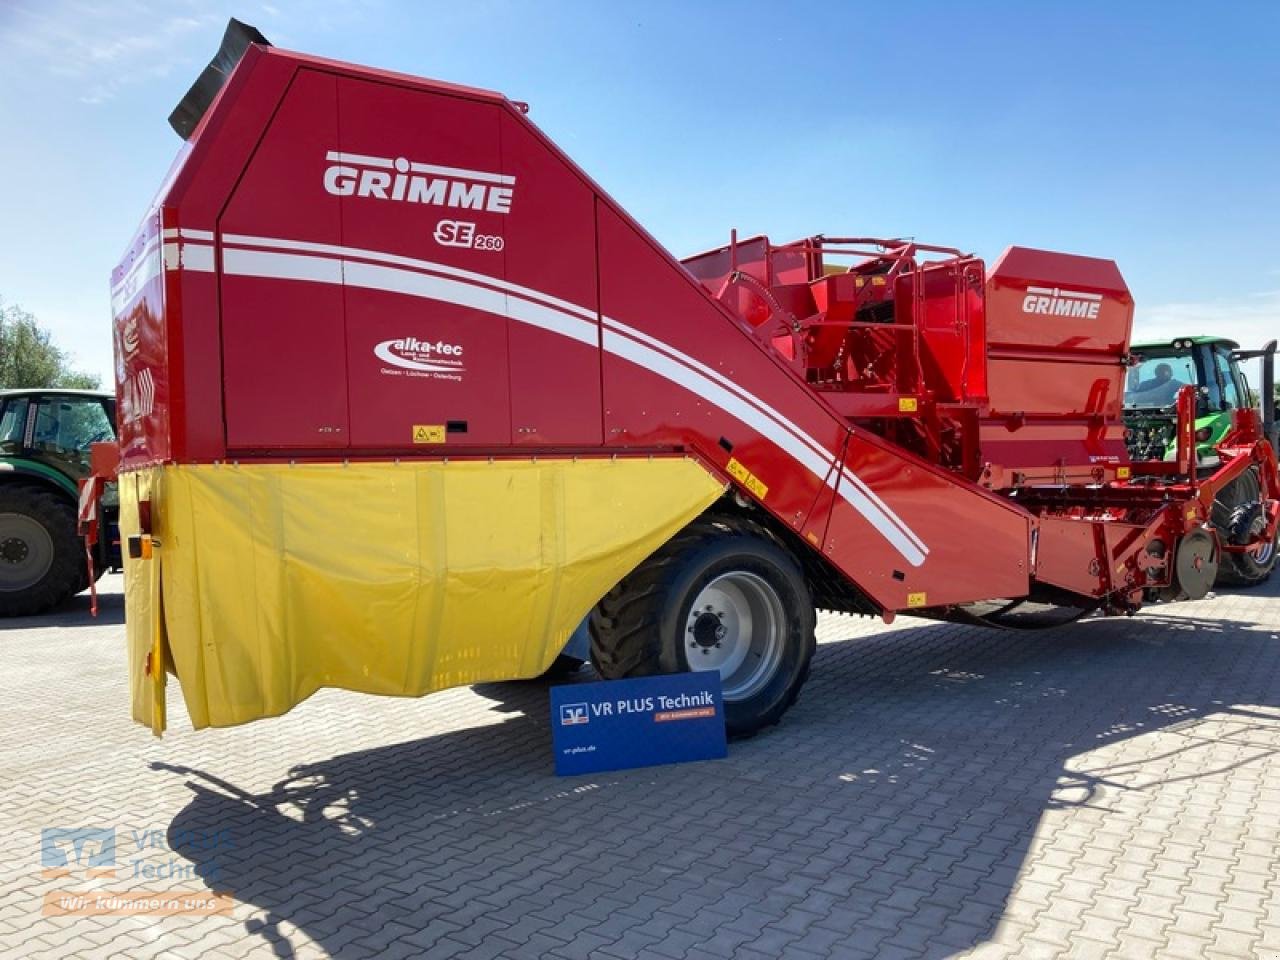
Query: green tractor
x,y
45,437
1213,366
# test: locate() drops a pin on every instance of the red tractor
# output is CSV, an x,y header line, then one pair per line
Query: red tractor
x,y
404,395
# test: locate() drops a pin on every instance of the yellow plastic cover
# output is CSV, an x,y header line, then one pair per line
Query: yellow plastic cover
x,y
267,582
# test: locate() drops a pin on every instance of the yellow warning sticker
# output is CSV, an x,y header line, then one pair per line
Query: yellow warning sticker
x,y
812,538
746,478
908,405
917,599
1123,473
428,433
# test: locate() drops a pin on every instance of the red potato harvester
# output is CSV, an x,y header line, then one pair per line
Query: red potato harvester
x,y
404,395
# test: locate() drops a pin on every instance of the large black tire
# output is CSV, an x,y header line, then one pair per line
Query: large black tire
x,y
42,559
1238,516
757,628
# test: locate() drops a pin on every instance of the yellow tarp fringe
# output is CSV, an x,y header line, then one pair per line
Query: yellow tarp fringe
x,y
386,578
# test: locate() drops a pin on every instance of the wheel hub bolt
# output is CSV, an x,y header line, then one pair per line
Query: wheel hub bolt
x,y
13,550
707,630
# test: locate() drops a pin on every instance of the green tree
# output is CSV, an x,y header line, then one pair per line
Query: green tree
x,y
29,358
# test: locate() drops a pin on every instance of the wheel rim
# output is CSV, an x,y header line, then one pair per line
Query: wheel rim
x,y
736,626
26,552
1263,552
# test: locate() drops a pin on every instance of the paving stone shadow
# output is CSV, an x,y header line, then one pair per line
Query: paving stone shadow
x,y
74,612
892,811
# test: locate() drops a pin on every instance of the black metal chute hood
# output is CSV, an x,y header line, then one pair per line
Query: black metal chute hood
x,y
191,108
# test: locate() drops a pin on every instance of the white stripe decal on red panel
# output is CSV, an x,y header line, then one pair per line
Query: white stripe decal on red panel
x,y
395,280
281,266
861,491
325,263
176,251
148,266
322,269
174,233
144,262
272,243
196,256
734,405
188,256
1056,292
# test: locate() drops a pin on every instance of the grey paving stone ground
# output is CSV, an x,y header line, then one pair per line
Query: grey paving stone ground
x,y
1108,790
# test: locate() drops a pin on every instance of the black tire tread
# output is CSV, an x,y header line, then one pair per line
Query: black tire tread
x,y
1232,502
68,574
625,640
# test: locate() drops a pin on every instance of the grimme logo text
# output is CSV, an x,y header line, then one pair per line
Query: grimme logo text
x,y
384,178
1061,303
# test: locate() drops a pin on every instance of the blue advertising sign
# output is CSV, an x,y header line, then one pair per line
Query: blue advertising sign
x,y
617,724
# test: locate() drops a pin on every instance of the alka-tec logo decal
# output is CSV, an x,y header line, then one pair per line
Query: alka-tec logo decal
x,y
385,178
412,357
1053,302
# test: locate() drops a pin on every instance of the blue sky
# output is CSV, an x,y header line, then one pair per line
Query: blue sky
x,y
1144,132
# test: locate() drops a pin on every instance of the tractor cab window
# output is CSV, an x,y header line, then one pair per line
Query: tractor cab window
x,y
1224,392
65,427
12,424
1155,381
